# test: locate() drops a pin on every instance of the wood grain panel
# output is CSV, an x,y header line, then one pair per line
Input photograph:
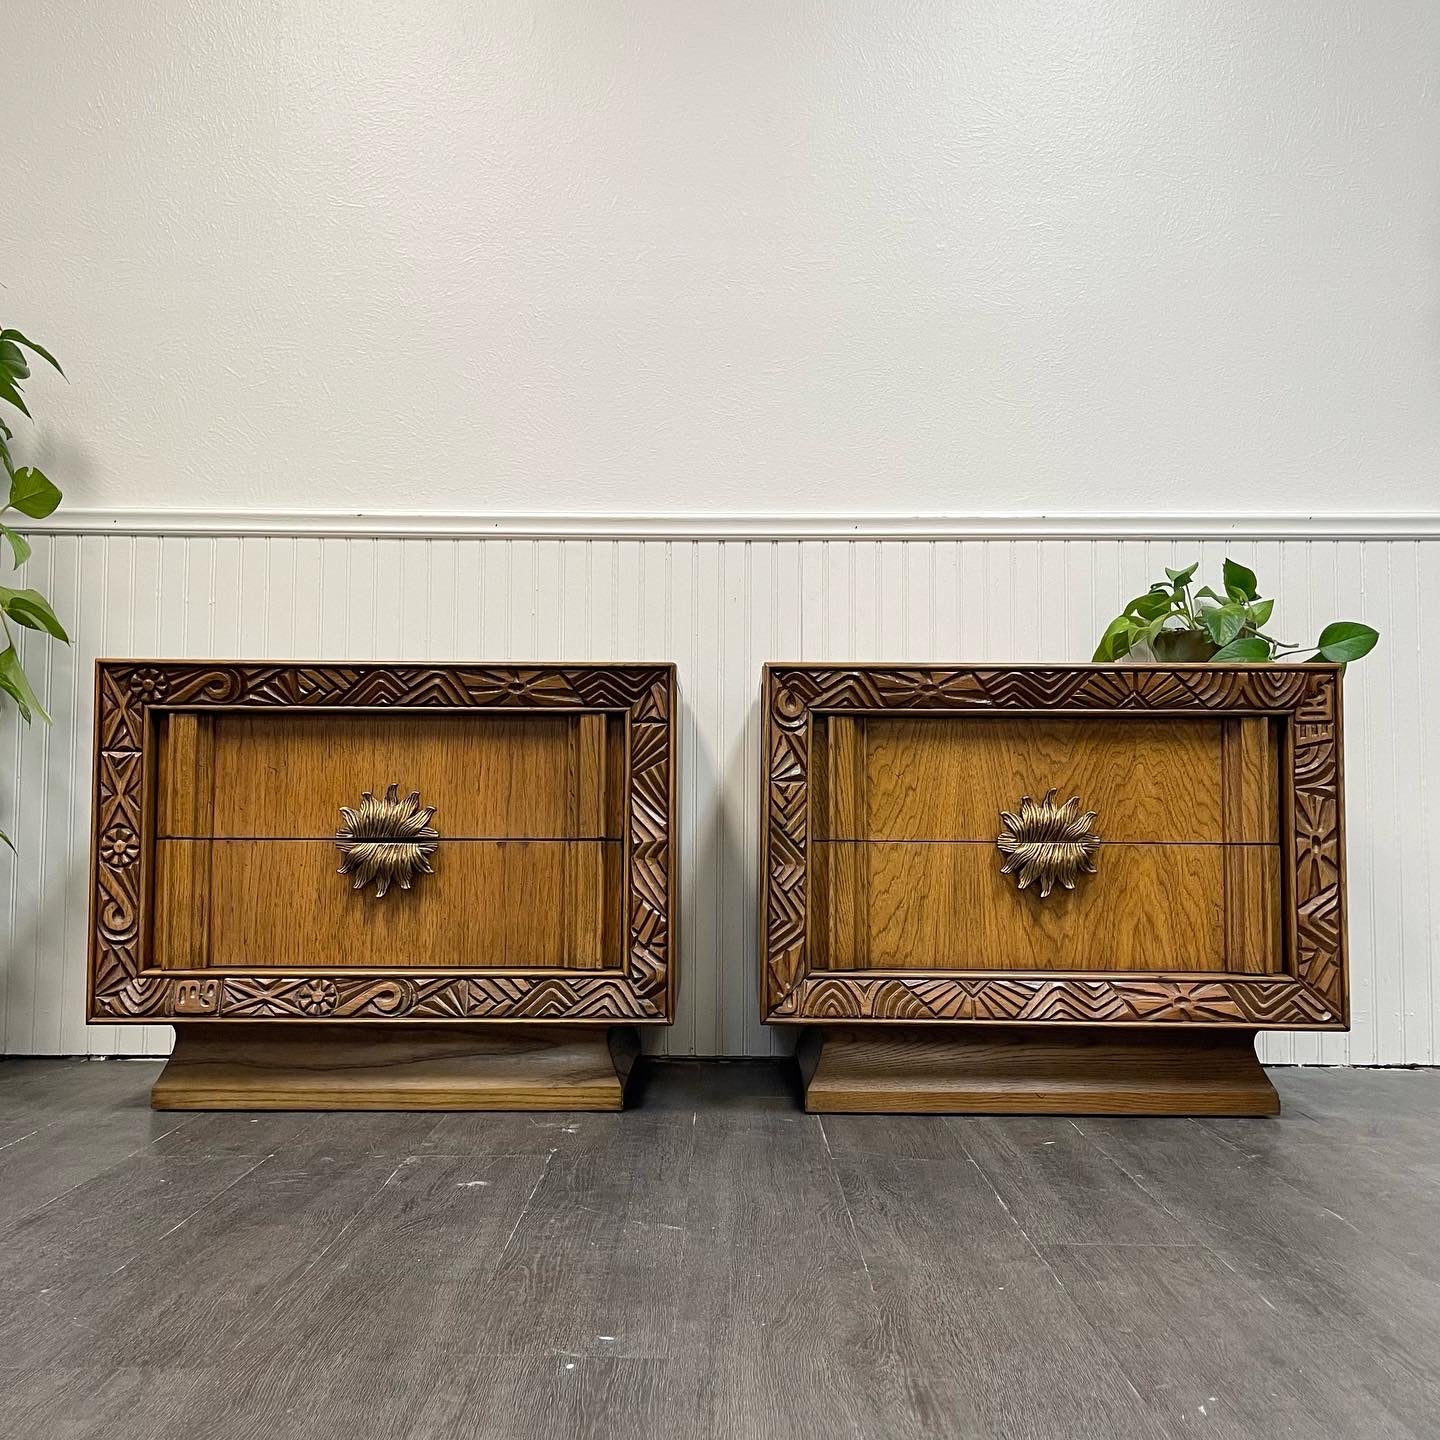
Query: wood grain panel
x,y
839,896
186,785
217,1066
585,778
997,1071
1253,939
944,778
1250,780
185,797
489,904
946,906
287,776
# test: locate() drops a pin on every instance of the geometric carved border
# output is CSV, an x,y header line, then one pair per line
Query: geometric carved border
x,y
1312,995
122,988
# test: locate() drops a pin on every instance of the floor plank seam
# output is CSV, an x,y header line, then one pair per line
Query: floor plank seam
x,y
1014,1219
1135,1180
504,1249
199,1210
845,1205
90,1179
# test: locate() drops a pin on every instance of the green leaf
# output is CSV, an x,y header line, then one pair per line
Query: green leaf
x,y
1223,624
10,393
1241,580
1116,641
1147,636
19,545
32,610
32,493
8,841
1346,640
1259,612
17,338
6,460
15,683
1247,647
13,361
1181,578
1150,605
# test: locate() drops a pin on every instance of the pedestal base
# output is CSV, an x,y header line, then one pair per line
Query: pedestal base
x,y
983,1070
244,1066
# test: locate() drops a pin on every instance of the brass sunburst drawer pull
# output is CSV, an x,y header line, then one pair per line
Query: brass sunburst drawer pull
x,y
387,841
1048,844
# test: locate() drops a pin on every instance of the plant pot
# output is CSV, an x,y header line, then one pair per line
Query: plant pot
x,y
1179,646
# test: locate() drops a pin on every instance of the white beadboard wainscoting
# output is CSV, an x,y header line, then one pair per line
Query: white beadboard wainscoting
x,y
719,600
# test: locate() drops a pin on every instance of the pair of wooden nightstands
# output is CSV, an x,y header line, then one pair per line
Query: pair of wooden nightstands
x,y
1074,888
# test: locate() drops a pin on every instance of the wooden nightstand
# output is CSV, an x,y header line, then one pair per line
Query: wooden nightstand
x,y
920,849
386,886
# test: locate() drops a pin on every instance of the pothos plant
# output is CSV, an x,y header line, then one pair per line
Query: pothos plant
x,y
1173,623
30,492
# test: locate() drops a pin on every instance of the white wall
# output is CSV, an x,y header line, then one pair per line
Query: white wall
x,y
730,254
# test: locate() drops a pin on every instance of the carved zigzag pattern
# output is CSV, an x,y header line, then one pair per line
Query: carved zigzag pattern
x,y
1320,941
117,799
648,971
787,798
1058,1002
1279,688
125,687
590,997
650,782
645,693
120,722
1051,689
130,998
787,758
650,876
785,884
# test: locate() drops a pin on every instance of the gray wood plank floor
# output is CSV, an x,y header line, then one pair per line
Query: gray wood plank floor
x,y
717,1264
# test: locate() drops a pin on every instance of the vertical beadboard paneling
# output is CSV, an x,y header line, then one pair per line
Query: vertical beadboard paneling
x,y
65,1030
719,608
1401,623
1420,768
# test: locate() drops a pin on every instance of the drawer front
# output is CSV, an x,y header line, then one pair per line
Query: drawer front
x,y
526,858
891,905
489,904
909,810
247,775
1150,780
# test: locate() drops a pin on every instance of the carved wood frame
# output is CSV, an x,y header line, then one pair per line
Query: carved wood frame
x,y
130,694
1313,994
